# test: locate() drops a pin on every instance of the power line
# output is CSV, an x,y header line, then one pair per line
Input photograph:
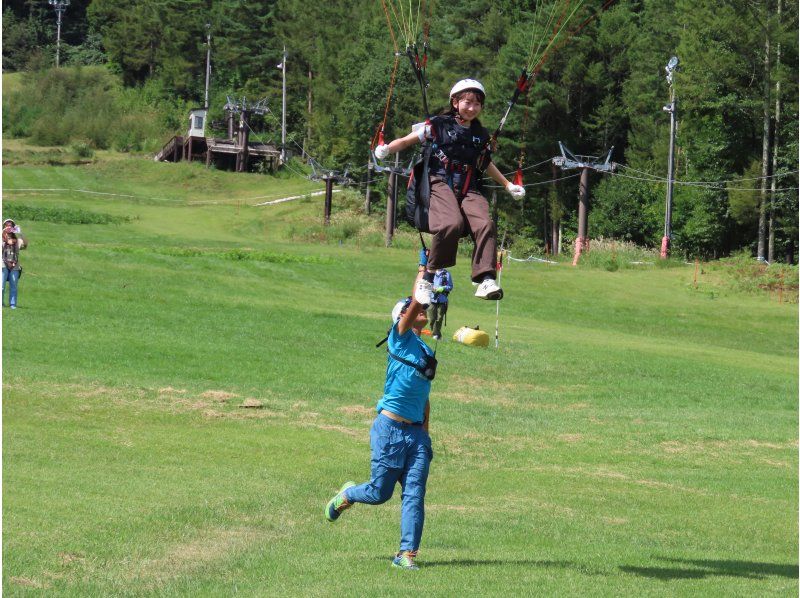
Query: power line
x,y
527,167
563,178
701,184
734,178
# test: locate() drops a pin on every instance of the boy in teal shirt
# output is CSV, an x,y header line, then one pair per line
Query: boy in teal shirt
x,y
399,439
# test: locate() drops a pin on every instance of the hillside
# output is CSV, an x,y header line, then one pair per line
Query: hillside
x,y
632,435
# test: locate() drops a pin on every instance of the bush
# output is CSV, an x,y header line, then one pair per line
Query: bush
x,y
88,105
82,149
744,273
611,255
23,212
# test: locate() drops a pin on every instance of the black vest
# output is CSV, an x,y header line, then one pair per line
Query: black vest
x,y
454,148
452,154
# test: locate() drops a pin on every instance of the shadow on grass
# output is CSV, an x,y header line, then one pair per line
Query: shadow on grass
x,y
499,562
494,562
702,568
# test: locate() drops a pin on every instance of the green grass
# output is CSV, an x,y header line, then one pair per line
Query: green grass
x,y
633,435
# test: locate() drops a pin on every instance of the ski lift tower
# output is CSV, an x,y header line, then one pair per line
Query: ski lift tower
x,y
244,110
569,161
330,177
59,6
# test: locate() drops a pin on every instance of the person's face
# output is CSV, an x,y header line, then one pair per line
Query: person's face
x,y
468,106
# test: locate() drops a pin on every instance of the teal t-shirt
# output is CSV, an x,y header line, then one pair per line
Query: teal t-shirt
x,y
406,390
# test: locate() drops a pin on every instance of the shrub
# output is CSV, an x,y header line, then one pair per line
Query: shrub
x,y
87,104
611,255
744,273
22,212
82,149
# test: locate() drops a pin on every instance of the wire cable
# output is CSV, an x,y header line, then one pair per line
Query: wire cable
x,y
563,178
701,185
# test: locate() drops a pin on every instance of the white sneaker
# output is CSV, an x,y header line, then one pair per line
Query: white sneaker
x,y
488,289
423,292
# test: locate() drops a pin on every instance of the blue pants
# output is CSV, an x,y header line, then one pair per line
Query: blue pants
x,y
12,276
400,453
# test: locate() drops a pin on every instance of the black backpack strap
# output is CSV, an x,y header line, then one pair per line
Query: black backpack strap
x,y
385,338
419,368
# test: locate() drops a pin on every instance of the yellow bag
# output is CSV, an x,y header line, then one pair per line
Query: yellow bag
x,y
471,336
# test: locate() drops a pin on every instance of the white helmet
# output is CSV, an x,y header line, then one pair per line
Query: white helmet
x,y
466,84
400,307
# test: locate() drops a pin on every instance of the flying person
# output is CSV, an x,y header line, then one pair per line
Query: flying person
x,y
456,204
399,439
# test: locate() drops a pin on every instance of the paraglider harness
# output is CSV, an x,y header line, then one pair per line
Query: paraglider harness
x,y
465,148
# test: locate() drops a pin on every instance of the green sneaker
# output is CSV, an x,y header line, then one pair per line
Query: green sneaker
x,y
338,503
405,560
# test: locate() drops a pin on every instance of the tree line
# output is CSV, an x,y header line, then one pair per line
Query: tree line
x,y
736,89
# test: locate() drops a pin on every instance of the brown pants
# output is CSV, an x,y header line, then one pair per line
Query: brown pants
x,y
449,220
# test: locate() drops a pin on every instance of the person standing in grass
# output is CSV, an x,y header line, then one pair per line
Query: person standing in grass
x,y
13,241
442,285
399,438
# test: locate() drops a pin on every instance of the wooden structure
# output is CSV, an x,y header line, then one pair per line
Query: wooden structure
x,y
236,152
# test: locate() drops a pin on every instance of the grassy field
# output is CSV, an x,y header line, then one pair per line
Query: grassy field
x,y
633,435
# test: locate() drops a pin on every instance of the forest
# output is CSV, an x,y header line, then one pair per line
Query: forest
x,y
603,85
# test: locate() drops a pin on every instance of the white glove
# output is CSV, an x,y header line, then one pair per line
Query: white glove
x,y
381,152
423,131
516,191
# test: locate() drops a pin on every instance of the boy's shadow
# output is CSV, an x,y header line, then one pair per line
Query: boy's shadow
x,y
494,562
702,568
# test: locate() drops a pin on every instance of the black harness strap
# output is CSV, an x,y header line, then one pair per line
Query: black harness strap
x,y
425,370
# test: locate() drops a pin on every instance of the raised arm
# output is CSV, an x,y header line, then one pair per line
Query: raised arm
x,y
410,315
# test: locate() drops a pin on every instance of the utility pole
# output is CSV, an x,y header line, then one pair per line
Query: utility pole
x,y
567,161
671,108
555,223
775,136
282,66
208,66
59,6
391,201
582,242
368,198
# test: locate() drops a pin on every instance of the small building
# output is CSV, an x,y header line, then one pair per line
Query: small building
x,y
236,152
197,122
